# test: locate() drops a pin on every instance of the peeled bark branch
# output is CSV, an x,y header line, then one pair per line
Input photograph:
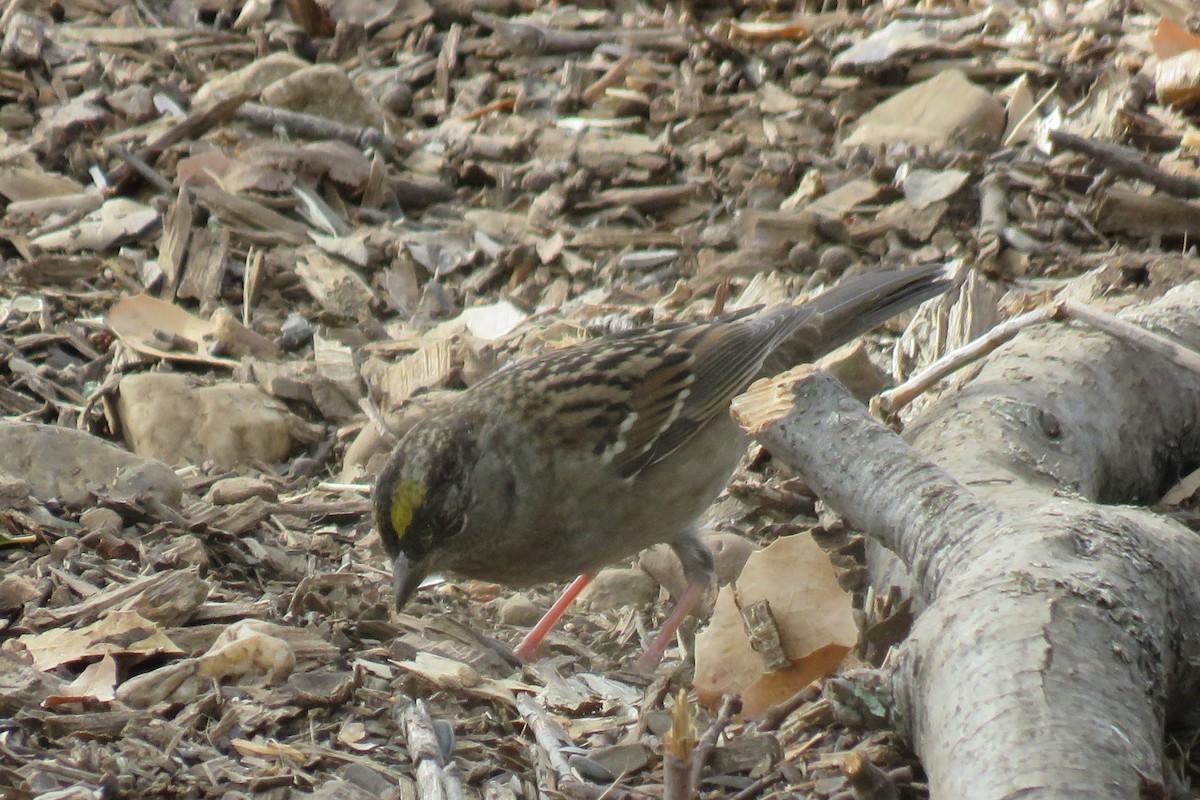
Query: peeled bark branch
x,y
1058,635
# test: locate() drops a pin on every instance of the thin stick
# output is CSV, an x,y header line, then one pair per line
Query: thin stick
x,y
1129,162
614,74
433,781
731,704
549,736
313,126
867,781
1134,334
678,746
895,399
774,716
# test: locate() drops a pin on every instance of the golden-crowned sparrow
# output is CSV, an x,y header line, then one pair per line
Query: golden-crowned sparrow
x,y
557,465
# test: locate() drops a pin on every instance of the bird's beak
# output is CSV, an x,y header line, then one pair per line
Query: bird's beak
x,y
406,577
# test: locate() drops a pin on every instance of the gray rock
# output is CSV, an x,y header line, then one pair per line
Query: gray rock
x,y
614,588
945,110
518,610
228,491
178,420
74,466
100,519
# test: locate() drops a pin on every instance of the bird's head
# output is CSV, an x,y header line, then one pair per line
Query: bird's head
x,y
421,498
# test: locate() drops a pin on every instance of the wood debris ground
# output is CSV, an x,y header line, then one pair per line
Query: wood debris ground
x,y
342,207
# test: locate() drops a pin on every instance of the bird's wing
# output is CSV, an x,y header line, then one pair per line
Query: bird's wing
x,y
723,358
634,399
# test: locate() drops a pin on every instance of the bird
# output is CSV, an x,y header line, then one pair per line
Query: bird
x,y
557,465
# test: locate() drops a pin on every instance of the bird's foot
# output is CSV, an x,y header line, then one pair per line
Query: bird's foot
x,y
528,647
687,601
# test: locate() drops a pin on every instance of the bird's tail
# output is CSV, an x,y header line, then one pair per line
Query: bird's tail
x,y
855,306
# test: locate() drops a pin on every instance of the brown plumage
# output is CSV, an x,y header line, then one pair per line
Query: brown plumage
x,y
560,464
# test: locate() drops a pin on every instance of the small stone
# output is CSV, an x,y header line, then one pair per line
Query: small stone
x,y
14,492
518,610
295,332
183,552
236,490
71,465
622,759
802,258
101,519
148,479
836,259
615,588
65,545
15,592
833,229
730,551
946,110
662,565
321,689
327,91
251,79
397,99
179,420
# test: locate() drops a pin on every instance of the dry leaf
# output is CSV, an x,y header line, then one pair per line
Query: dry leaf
x,y
152,327
813,614
268,749
1177,79
97,682
1171,39
117,632
492,321
115,222
354,735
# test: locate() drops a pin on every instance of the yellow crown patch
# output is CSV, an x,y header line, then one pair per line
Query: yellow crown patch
x,y
407,497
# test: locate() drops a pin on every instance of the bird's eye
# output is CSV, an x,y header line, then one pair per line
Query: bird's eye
x,y
407,497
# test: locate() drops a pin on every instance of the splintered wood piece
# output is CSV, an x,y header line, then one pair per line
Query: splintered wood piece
x,y
768,399
206,264
193,126
177,230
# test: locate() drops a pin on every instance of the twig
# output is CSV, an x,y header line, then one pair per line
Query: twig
x,y
314,127
376,419
503,104
193,126
775,775
549,735
993,213
867,781
525,38
141,168
614,74
678,746
720,298
434,782
774,716
895,399
1134,334
731,704
1129,162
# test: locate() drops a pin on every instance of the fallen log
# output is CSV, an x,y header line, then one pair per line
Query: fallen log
x,y
1059,632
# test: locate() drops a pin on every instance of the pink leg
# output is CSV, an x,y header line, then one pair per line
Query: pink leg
x,y
533,640
687,601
